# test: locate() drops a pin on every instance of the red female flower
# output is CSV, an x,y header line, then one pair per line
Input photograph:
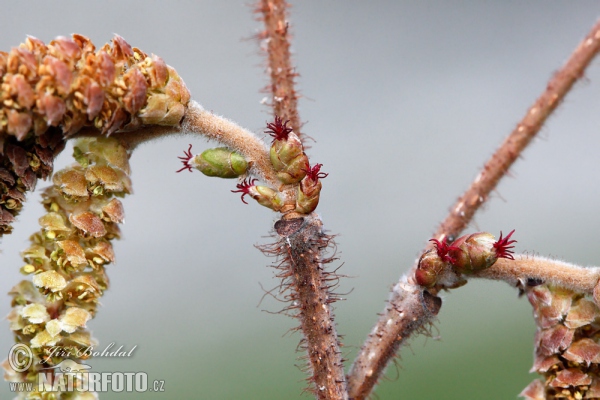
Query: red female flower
x,y
186,159
278,129
443,249
313,173
244,188
503,246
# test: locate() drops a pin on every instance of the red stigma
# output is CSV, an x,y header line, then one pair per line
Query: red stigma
x,y
244,187
443,250
313,173
278,129
186,159
503,246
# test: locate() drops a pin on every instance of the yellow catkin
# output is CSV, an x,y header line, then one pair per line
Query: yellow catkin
x,y
68,267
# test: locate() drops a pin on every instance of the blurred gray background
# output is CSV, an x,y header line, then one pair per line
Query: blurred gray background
x,y
405,100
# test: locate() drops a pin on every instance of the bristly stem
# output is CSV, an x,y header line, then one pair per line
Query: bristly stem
x,y
276,34
309,285
391,329
498,165
300,247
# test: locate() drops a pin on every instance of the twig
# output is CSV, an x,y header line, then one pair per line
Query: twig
x,y
200,121
526,268
282,73
391,329
301,244
309,286
499,164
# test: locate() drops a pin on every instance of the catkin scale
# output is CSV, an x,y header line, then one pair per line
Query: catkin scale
x,y
50,92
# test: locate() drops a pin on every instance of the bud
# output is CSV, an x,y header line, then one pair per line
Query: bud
x,y
434,268
478,251
430,268
264,195
287,154
310,189
220,162
466,255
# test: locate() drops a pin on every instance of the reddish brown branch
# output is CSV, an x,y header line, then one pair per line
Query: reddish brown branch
x,y
497,166
303,269
301,244
409,309
392,328
276,34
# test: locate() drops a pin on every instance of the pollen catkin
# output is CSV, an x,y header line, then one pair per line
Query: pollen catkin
x,y
50,92
68,256
567,344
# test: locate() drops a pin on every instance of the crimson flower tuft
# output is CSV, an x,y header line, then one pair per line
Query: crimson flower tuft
x,y
278,129
503,246
443,249
244,187
313,173
186,159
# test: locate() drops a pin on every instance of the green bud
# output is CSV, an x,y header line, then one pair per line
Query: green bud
x,y
221,162
307,198
263,194
266,197
288,159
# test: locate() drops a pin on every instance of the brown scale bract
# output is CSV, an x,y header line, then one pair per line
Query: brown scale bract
x,y
50,92
567,345
21,164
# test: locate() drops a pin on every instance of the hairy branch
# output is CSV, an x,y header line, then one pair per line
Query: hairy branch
x,y
526,268
300,247
198,120
374,357
310,287
276,34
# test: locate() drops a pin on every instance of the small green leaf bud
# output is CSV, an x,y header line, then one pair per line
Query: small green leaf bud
x,y
220,162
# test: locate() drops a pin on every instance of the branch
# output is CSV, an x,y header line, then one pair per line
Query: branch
x,y
525,268
198,120
300,246
276,34
499,164
392,328
309,285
